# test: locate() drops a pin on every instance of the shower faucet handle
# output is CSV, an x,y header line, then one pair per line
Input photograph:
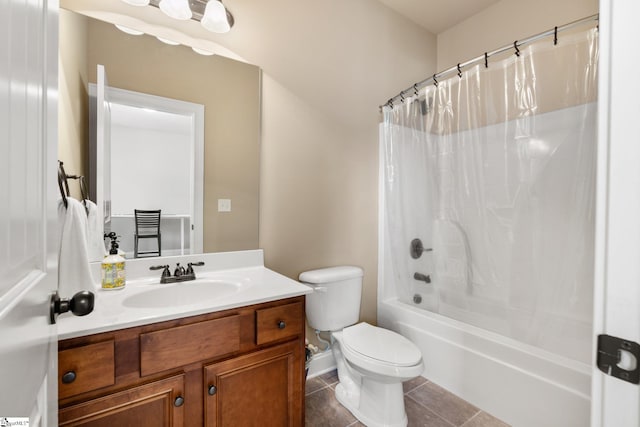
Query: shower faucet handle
x,y
417,248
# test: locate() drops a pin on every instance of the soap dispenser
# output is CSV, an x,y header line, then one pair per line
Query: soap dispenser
x,y
113,271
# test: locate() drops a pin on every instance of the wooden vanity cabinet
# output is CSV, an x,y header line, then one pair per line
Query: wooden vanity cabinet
x,y
240,367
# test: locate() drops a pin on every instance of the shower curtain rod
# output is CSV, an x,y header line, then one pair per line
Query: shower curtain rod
x,y
516,45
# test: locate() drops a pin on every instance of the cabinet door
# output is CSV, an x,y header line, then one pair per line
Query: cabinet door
x,y
152,405
258,389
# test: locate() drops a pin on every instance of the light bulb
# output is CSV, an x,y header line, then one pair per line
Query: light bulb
x,y
215,17
167,41
129,30
137,2
202,51
176,9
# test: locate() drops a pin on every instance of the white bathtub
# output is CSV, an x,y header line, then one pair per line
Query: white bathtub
x,y
518,383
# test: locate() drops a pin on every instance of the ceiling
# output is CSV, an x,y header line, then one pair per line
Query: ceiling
x,y
438,15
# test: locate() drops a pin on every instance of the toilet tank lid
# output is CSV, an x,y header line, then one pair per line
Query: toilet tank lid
x,y
331,274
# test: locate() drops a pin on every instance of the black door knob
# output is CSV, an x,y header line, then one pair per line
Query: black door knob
x,y
81,304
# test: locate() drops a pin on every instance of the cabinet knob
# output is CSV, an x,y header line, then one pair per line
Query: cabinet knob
x,y
178,402
281,324
212,390
68,377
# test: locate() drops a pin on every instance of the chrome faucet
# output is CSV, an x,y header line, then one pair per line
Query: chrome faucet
x,y
179,274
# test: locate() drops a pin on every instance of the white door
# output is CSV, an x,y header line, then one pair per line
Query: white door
x,y
615,402
103,145
28,217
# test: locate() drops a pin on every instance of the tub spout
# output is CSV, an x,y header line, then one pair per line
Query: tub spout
x,y
425,278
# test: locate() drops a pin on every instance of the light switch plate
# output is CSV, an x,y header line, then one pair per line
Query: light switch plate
x,y
224,205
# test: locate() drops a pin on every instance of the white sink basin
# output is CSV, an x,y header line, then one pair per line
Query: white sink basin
x,y
184,293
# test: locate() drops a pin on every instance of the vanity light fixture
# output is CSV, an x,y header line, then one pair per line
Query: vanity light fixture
x,y
212,14
129,30
176,9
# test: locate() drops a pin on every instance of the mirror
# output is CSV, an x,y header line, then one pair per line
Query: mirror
x,y
228,89
148,144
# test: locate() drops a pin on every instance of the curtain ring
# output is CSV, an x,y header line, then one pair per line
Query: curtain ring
x,y
555,36
515,46
435,81
486,60
402,96
390,103
459,71
415,89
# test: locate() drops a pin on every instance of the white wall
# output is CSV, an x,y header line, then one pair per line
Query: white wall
x,y
150,170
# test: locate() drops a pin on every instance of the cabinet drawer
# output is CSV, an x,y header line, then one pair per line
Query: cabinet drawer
x,y
85,368
279,322
183,345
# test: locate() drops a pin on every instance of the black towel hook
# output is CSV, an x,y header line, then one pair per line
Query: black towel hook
x,y
515,46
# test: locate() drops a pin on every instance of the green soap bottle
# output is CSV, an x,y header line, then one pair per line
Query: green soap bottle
x,y
113,271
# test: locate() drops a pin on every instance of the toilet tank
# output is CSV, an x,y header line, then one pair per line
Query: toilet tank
x,y
335,301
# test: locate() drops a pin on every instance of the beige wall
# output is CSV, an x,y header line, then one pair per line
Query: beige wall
x,y
505,22
73,113
321,94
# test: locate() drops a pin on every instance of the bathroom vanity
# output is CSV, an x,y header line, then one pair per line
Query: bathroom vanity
x,y
237,359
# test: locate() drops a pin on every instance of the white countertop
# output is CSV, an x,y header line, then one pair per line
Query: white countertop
x,y
112,309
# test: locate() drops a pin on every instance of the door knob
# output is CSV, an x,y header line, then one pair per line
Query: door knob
x,y
81,304
281,324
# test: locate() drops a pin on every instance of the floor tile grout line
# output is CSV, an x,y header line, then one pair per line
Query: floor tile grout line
x,y
431,411
472,417
315,391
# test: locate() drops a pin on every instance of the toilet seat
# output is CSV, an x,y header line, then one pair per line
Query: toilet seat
x,y
380,344
380,351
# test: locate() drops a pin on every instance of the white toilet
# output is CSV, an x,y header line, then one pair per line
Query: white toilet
x,y
372,362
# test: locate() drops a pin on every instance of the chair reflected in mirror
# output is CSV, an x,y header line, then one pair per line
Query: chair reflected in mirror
x,y
147,227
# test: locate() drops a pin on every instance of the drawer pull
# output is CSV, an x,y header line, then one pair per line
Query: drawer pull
x,y
281,324
178,402
69,377
212,390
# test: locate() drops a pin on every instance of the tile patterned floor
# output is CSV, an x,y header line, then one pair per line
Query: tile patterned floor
x,y
427,405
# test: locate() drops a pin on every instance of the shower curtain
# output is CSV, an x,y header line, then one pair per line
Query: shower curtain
x,y
493,170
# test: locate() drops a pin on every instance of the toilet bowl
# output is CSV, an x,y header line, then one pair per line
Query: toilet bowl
x,y
372,362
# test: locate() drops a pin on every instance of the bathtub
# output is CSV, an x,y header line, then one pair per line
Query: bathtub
x,y
518,383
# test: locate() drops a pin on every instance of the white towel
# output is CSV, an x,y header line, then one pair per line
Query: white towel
x,y
95,233
74,273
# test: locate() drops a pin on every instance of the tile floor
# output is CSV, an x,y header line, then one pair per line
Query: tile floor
x,y
427,405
